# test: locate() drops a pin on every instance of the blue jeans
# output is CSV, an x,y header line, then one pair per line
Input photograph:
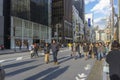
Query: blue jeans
x,y
100,55
55,56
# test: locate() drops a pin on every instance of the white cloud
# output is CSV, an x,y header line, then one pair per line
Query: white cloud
x,y
100,22
102,7
89,1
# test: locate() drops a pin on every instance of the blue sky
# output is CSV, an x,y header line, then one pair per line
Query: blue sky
x,y
101,10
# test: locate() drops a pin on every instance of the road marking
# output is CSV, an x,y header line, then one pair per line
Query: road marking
x,y
82,75
77,78
19,58
2,61
88,66
83,79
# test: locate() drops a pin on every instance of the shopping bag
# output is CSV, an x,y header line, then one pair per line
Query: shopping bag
x,y
46,57
106,68
32,51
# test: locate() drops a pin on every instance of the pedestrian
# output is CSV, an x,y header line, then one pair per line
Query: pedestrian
x,y
74,50
36,50
95,50
47,53
100,51
81,49
113,59
55,49
31,49
86,50
69,46
91,50
78,49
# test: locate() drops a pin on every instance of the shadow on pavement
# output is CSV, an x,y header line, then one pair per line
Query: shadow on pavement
x,y
21,70
43,73
65,59
17,64
55,74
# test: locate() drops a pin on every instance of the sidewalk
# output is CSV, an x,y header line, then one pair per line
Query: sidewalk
x,y
97,71
11,51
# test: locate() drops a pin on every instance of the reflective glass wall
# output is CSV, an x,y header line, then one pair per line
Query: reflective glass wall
x,y
34,10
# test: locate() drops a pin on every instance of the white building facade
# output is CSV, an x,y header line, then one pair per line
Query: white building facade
x,y
78,26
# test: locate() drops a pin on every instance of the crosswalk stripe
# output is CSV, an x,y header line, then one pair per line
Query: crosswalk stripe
x,y
2,61
19,58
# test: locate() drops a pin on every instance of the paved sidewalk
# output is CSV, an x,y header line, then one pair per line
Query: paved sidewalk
x,y
10,51
97,71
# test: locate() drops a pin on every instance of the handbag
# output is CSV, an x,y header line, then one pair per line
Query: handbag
x,y
32,51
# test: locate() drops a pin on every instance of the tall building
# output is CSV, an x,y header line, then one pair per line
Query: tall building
x,y
24,22
78,26
62,20
80,6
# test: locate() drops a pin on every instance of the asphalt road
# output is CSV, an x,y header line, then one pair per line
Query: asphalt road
x,y
20,67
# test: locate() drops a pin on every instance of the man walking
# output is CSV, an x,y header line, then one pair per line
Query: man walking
x,y
55,49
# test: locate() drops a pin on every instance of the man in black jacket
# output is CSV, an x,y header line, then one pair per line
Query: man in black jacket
x,y
113,59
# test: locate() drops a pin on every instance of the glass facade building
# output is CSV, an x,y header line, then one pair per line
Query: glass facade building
x,y
34,10
62,16
25,22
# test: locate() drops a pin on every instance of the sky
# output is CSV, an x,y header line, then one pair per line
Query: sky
x,y
101,10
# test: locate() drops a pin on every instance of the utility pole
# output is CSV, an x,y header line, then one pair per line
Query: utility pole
x,y
112,26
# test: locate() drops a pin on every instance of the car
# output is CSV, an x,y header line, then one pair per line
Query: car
x,y
2,73
1,47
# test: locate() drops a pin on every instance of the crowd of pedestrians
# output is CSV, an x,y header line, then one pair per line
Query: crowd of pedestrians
x,y
54,46
96,50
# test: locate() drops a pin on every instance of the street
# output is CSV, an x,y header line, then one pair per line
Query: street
x,y
19,66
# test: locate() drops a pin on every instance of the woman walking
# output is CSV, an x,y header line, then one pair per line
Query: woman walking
x,y
100,51
74,51
46,52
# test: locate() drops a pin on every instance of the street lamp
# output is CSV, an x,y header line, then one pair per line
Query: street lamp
x,y
57,27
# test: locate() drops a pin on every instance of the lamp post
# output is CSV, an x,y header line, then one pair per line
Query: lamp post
x,y
57,32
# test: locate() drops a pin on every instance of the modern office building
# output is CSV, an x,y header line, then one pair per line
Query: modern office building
x,y
24,22
62,20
